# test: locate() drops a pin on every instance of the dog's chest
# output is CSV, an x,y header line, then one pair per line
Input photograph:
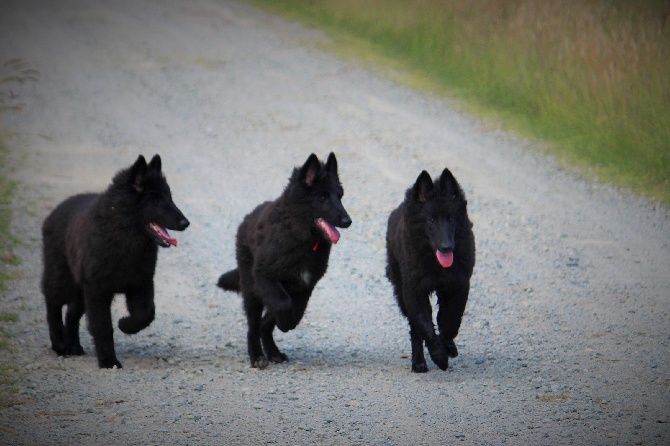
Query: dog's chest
x,y
303,271
306,277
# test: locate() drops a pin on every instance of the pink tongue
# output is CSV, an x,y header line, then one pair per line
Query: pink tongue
x,y
331,232
445,259
164,235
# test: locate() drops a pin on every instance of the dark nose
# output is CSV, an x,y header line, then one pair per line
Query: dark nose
x,y
182,224
445,248
345,222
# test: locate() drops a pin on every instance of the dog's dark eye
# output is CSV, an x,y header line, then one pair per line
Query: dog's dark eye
x,y
431,220
323,198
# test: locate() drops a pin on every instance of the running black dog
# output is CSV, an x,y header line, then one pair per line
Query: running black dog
x,y
431,247
97,245
282,252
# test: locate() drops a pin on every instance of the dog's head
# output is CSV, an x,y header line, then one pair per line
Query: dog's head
x,y
442,207
152,200
321,195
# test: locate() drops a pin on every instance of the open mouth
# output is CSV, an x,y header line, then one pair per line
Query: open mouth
x,y
330,232
161,235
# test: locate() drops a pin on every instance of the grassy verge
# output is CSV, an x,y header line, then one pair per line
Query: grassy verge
x,y
6,240
590,78
12,72
8,373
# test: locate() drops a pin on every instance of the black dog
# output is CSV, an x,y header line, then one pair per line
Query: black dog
x,y
430,247
97,245
282,252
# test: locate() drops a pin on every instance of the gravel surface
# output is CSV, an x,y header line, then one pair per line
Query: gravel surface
x,y
567,332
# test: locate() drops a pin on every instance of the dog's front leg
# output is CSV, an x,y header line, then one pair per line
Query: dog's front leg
x,y
98,305
141,309
450,314
269,346
421,324
277,301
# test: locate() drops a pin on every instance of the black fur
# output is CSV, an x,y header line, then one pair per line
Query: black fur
x,y
433,217
282,254
97,245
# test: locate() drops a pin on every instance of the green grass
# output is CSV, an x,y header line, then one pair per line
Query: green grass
x,y
8,373
590,78
12,72
8,317
6,241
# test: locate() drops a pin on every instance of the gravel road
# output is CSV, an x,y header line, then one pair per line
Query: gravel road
x,y
566,337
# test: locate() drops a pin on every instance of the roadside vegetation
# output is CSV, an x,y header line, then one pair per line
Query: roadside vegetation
x,y
12,72
589,78
8,371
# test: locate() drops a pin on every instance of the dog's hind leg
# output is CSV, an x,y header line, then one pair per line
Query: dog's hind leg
x,y
141,309
254,311
75,310
98,310
269,346
56,329
450,315
59,290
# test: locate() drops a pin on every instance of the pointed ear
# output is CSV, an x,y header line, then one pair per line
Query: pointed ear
x,y
423,185
137,172
448,183
331,163
155,163
310,170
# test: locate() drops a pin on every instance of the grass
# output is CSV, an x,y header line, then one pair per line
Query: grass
x,y
6,241
554,397
587,77
12,72
8,317
8,373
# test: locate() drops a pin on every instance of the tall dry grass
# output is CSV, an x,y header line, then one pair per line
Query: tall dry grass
x,y
590,76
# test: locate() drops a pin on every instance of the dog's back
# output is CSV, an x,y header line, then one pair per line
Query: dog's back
x,y
63,217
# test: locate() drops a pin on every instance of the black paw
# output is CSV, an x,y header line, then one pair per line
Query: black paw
x,y
285,324
450,346
260,363
127,326
439,356
74,350
278,358
419,367
131,325
59,348
67,350
109,363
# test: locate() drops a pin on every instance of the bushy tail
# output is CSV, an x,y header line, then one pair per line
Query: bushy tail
x,y
229,281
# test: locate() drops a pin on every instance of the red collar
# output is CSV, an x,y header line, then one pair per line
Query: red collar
x,y
316,246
